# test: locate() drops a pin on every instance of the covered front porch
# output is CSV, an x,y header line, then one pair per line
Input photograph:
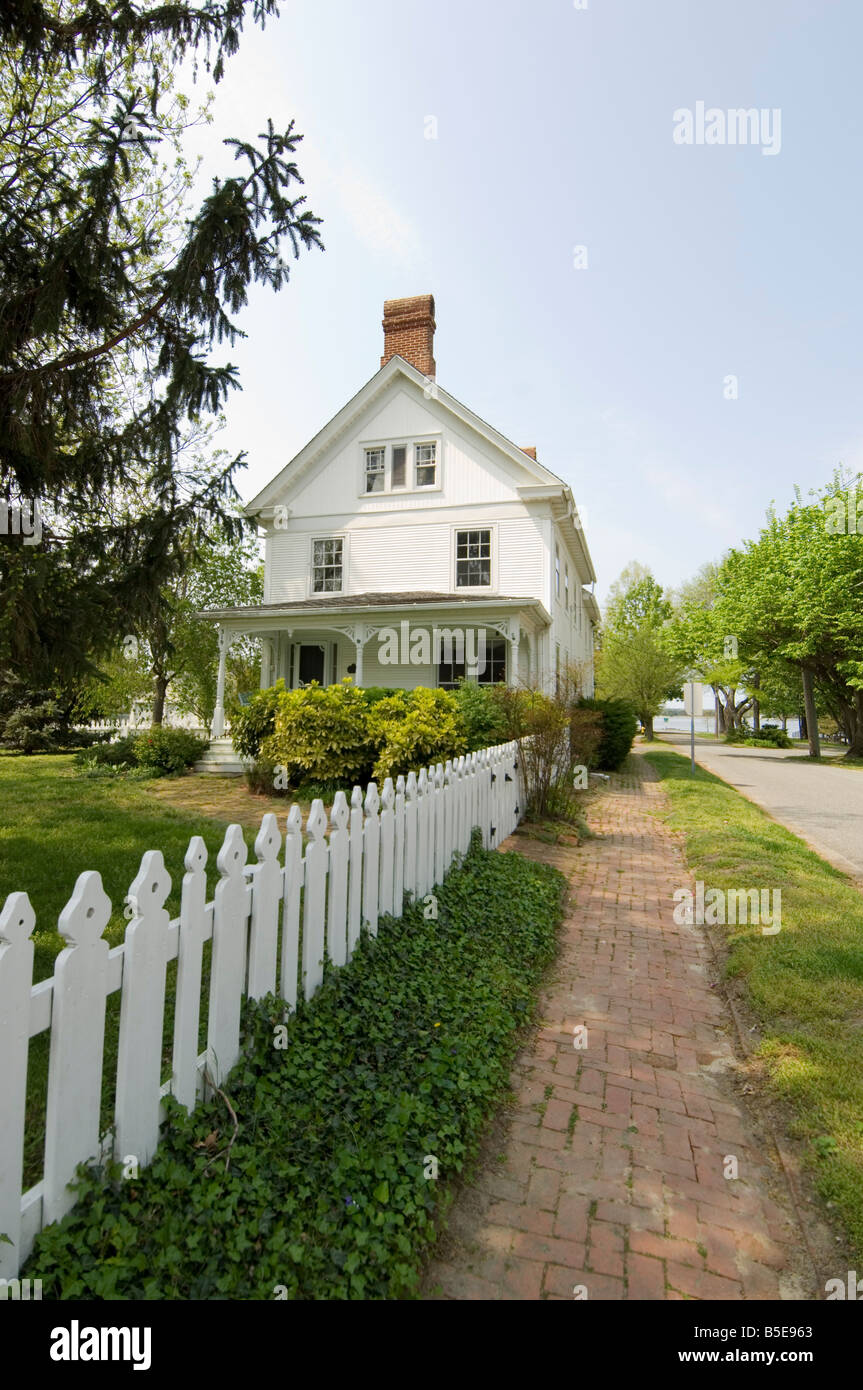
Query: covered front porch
x,y
399,641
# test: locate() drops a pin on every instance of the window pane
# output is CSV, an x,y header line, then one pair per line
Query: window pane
x,y
473,559
399,469
425,456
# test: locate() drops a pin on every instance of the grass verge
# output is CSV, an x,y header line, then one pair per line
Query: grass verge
x,y
804,985
328,1189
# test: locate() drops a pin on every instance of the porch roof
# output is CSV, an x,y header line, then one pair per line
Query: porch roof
x,y
342,604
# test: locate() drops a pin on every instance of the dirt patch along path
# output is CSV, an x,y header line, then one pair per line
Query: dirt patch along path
x,y
609,1180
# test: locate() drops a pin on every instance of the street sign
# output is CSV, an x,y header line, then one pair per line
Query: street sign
x,y
693,697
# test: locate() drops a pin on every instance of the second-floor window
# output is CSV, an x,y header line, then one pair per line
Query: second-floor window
x,y
566,587
472,559
556,572
426,465
327,565
375,469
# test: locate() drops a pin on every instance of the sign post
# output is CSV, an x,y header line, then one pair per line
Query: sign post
x,y
693,695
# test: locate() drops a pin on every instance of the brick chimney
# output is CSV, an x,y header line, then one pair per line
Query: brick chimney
x,y
530,450
409,332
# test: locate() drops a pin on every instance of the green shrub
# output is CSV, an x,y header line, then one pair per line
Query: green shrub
x,y
414,728
373,693
402,1054
263,779
170,750
321,734
117,754
618,731
768,736
42,727
772,734
252,723
483,714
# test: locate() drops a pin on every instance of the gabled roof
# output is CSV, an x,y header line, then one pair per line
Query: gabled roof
x,y
342,421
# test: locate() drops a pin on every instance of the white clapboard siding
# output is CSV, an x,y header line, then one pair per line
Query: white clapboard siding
x,y
381,850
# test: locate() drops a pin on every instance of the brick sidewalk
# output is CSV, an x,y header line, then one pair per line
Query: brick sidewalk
x,y
612,1172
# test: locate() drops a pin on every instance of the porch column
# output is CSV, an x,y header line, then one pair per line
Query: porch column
x,y
514,638
359,643
218,725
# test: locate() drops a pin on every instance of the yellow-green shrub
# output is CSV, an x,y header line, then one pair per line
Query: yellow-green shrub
x,y
413,728
322,734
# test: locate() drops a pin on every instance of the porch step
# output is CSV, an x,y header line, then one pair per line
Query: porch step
x,y
221,760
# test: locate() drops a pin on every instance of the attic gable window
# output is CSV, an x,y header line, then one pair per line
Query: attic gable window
x,y
327,558
375,469
399,466
426,465
472,559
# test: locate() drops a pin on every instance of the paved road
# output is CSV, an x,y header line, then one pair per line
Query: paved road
x,y
821,804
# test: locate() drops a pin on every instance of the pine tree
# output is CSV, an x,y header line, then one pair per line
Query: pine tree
x,y
111,309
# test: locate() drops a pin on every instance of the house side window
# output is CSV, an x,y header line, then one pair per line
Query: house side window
x,y
399,466
556,572
557,668
327,565
426,465
566,587
473,559
493,673
375,469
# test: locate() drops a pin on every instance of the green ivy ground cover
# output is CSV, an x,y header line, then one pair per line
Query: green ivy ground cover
x,y
327,1190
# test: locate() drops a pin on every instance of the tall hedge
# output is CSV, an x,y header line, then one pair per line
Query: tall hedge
x,y
619,726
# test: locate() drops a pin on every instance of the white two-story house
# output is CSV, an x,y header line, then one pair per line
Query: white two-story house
x,y
408,521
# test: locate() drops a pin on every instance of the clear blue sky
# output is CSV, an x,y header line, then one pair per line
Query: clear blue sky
x,y
555,129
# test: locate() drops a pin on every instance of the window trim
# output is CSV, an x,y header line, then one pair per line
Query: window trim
x,y
409,443
374,449
416,445
492,586
331,536
491,637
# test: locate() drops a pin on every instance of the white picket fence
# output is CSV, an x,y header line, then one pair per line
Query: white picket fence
x,y
379,849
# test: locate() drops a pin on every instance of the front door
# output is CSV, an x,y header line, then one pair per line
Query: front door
x,y
311,664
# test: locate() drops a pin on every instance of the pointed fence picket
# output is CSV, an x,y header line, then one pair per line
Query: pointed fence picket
x,y
383,849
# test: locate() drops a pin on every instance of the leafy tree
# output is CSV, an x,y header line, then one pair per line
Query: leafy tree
x,y
795,594
634,661
704,639
174,655
113,296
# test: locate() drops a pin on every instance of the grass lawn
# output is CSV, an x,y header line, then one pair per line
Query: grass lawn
x,y
805,985
55,824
